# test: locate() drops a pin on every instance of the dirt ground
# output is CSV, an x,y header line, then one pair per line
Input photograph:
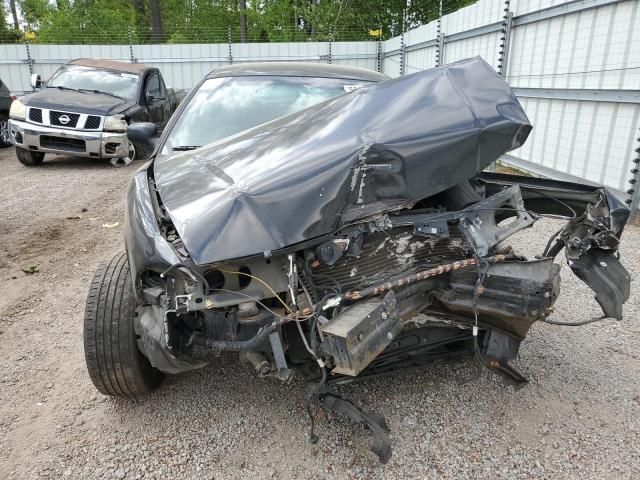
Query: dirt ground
x,y
579,417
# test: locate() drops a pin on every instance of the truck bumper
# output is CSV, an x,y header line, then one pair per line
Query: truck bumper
x,y
80,143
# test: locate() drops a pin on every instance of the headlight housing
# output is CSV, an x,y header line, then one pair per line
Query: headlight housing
x,y
115,123
18,110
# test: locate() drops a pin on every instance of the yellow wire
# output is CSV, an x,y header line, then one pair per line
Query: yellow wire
x,y
265,284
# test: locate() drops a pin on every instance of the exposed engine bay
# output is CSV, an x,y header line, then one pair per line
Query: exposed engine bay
x,y
383,273
392,293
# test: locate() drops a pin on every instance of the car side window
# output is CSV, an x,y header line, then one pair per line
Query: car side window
x,y
153,87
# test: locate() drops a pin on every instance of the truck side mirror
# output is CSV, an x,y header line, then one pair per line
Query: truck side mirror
x,y
143,133
36,81
151,99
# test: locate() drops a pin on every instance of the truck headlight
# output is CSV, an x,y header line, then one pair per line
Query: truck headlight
x,y
18,110
115,123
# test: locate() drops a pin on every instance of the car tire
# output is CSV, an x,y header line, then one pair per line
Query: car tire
x,y
115,364
5,138
29,158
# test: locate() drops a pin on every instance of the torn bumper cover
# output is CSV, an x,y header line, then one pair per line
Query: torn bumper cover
x,y
590,239
360,237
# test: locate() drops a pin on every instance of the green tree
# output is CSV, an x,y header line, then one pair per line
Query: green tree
x,y
4,29
33,11
212,21
81,21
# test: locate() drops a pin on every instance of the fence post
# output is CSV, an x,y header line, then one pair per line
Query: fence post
x,y
229,43
439,39
402,44
131,57
29,59
379,63
329,55
634,192
505,40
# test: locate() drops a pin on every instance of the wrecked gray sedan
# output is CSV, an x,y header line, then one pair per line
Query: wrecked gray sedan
x,y
353,238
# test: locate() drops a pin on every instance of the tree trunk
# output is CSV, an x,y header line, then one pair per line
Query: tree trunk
x,y
157,35
14,14
242,7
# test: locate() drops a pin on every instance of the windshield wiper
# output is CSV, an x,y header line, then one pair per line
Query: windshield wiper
x,y
100,91
61,87
184,148
86,90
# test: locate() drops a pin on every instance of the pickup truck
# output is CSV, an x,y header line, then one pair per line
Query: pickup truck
x,y
84,110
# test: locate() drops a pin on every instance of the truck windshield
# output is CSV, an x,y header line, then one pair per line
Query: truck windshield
x,y
77,77
225,106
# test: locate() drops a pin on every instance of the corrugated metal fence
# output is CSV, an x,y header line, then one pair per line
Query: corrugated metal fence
x,y
182,65
575,65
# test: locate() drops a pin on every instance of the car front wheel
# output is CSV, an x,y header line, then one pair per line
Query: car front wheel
x,y
115,364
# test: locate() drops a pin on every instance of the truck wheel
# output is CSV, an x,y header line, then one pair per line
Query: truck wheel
x,y
29,158
136,152
115,364
5,139
124,161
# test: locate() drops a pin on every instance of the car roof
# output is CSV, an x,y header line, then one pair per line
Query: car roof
x,y
296,69
136,68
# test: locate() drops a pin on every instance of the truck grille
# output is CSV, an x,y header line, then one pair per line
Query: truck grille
x,y
63,119
61,143
57,118
35,115
92,122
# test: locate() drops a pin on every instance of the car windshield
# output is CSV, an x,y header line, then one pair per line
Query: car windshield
x,y
77,77
225,106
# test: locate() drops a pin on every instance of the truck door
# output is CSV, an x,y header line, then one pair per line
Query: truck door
x,y
155,96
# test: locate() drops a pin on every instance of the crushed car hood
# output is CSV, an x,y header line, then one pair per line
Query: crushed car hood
x,y
380,148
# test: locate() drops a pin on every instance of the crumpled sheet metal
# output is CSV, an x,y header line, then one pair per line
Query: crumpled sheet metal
x,y
152,331
379,148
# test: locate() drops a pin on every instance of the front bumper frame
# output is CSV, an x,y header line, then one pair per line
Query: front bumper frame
x,y
97,144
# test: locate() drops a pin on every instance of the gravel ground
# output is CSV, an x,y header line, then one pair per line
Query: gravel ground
x,y
577,418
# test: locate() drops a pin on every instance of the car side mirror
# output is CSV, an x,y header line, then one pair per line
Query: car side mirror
x,y
143,133
36,81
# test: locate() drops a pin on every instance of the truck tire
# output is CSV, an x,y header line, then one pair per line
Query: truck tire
x,y
115,364
29,158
